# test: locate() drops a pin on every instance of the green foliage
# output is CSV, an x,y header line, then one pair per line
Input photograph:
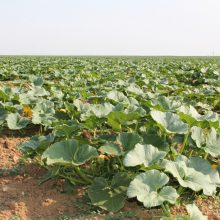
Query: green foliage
x,y
129,140
170,121
109,196
123,127
150,189
68,153
111,149
213,143
147,155
16,122
194,173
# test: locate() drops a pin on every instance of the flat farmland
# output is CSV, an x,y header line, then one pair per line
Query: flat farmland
x,y
109,138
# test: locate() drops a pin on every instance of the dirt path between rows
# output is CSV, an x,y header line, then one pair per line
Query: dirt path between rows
x,y
21,195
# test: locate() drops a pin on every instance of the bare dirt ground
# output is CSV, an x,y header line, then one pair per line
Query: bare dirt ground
x,y
22,196
9,154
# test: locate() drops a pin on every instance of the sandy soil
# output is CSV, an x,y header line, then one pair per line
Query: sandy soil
x,y
22,195
9,155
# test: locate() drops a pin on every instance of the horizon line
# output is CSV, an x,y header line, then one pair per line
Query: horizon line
x,y
107,55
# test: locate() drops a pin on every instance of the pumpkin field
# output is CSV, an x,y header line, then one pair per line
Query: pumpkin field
x,y
109,138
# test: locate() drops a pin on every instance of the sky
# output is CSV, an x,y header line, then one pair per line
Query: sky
x,y
110,27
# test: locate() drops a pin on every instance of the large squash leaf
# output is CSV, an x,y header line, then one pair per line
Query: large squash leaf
x,y
213,143
117,119
68,153
198,136
149,189
170,122
192,175
117,97
16,122
143,154
101,110
36,143
129,140
166,103
110,148
109,195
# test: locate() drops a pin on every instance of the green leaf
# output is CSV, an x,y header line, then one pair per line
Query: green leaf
x,y
155,140
66,129
166,103
45,107
36,80
101,110
84,109
110,148
4,96
143,154
117,97
117,119
81,107
149,189
137,109
43,113
203,166
3,116
36,143
195,213
213,143
198,136
38,91
189,176
26,98
210,116
170,121
129,140
109,196
68,153
107,137
134,88
16,122
190,114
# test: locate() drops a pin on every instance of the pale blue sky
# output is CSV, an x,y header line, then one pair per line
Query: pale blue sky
x,y
110,27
